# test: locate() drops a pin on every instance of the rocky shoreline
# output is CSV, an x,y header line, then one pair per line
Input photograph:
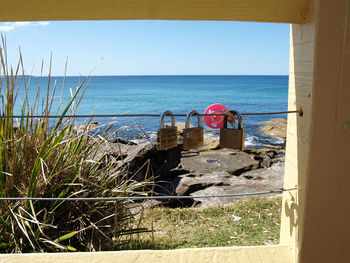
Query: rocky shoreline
x,y
274,127
208,171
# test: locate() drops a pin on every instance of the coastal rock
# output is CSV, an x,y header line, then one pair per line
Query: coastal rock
x,y
189,183
201,172
226,160
259,180
279,158
274,127
223,171
123,141
119,149
141,160
264,159
277,147
270,152
241,187
83,128
210,144
184,185
272,176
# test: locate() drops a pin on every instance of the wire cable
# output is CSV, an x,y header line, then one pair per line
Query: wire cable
x,y
137,115
140,197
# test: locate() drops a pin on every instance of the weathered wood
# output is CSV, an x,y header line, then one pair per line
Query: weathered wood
x,y
280,11
326,235
302,43
314,218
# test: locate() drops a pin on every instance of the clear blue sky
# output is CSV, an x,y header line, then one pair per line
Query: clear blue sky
x,y
151,47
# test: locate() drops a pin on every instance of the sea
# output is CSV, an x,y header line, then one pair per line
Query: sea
x,y
179,94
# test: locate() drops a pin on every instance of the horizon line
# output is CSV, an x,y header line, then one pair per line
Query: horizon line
x,y
160,75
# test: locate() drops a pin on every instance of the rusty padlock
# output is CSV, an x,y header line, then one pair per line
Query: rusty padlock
x,y
193,137
232,137
167,137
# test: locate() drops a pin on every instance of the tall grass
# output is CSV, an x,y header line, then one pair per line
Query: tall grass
x,y
43,158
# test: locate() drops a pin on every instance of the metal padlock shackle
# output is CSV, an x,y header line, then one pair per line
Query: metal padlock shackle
x,y
188,119
239,117
167,113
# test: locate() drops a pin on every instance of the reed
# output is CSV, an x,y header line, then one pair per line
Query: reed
x,y
45,158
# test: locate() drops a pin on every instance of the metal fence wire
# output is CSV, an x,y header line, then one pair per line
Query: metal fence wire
x,y
117,198
300,112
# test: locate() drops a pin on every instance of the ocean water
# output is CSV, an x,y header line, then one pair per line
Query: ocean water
x,y
179,94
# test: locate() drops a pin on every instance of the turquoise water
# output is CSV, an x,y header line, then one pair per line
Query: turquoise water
x,y
180,94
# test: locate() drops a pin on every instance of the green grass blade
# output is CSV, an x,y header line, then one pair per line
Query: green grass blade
x,y
66,236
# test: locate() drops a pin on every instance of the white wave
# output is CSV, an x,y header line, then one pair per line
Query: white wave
x,y
275,140
210,135
251,141
151,136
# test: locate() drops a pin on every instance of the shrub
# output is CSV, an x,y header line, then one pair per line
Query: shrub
x,y
42,157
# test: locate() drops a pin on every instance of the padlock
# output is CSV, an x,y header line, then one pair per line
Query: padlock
x,y
167,137
193,137
231,137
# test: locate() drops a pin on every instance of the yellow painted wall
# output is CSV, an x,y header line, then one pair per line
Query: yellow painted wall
x,y
316,219
302,42
286,11
326,235
271,254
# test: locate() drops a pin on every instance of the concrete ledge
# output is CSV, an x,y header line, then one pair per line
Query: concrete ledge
x,y
268,254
